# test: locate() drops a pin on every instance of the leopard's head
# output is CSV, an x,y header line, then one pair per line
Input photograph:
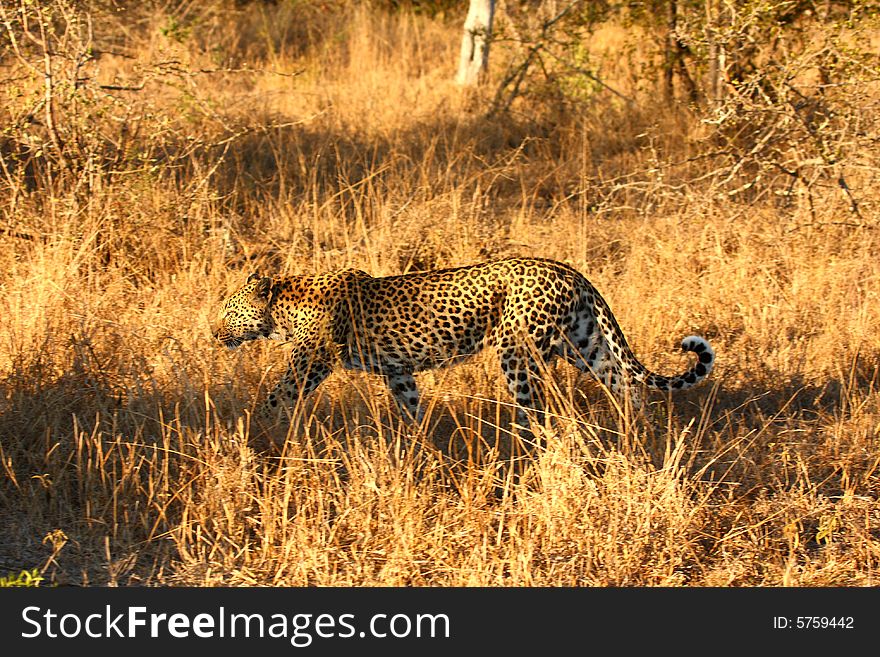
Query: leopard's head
x,y
245,314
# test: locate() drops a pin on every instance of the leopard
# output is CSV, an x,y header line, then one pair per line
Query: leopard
x,y
532,311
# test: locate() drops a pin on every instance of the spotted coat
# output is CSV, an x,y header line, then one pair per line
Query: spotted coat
x,y
530,310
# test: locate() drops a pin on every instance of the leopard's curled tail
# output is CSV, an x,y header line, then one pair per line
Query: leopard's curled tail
x,y
693,376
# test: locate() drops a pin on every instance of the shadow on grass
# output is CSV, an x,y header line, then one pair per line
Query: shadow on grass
x,y
114,467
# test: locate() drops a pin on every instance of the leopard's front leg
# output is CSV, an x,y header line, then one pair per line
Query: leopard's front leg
x,y
305,372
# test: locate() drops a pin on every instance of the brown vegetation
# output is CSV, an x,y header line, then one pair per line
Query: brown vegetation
x,y
174,151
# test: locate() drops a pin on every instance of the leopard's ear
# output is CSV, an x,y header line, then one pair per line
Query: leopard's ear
x,y
252,277
263,290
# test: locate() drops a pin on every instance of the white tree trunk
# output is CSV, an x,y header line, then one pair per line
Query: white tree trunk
x,y
474,58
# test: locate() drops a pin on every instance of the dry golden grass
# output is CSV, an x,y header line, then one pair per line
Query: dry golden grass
x,y
124,437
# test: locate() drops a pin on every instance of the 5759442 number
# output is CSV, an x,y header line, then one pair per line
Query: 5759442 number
x,y
814,623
